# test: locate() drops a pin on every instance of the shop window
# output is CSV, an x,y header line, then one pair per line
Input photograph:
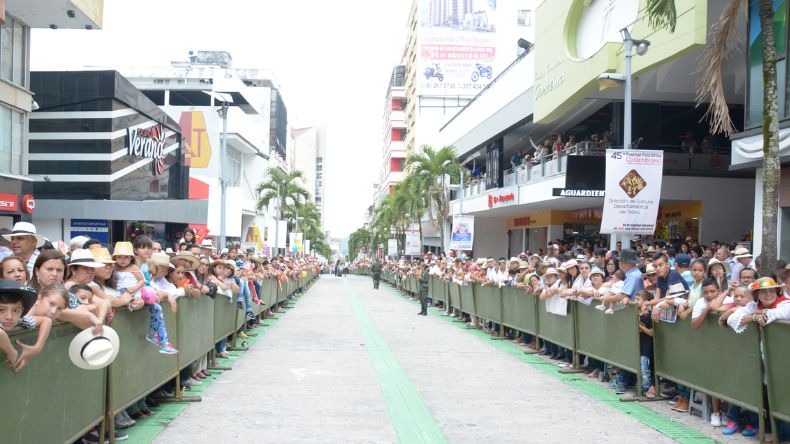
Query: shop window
x,y
11,125
13,51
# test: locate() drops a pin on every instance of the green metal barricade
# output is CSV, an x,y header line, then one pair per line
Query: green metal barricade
x,y
438,293
412,286
489,302
610,338
195,324
268,293
468,300
282,291
51,400
519,310
557,328
224,317
776,336
455,295
711,359
139,368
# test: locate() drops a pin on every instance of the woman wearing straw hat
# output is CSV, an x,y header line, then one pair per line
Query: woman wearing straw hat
x,y
82,268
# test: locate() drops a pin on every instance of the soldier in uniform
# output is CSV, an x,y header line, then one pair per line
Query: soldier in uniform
x,y
376,271
423,276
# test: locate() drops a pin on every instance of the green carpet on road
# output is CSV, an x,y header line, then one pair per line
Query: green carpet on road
x,y
662,424
412,420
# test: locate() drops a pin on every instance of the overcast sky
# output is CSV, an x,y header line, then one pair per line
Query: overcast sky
x,y
332,59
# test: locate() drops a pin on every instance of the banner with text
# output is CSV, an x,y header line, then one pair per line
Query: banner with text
x,y
392,247
633,191
412,243
462,235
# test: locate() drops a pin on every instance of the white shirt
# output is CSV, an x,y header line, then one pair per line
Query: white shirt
x,y
699,307
781,312
168,287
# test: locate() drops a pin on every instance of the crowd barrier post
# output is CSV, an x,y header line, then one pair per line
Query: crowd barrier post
x,y
713,360
519,311
139,368
559,329
51,400
775,338
613,339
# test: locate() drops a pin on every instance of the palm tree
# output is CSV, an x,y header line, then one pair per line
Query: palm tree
x,y
662,14
427,168
357,240
413,201
285,189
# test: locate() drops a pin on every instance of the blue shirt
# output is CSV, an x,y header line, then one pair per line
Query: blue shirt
x,y
633,283
672,278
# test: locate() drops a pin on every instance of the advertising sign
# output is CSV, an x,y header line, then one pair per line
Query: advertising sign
x,y
412,243
463,233
98,229
281,236
196,141
392,247
457,47
633,191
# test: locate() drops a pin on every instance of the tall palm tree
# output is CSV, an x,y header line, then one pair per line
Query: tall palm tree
x,y
413,201
285,189
428,167
357,240
662,14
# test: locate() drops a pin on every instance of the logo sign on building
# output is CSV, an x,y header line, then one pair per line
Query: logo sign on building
x,y
98,229
28,203
565,192
462,235
146,142
412,243
501,200
196,140
633,191
9,202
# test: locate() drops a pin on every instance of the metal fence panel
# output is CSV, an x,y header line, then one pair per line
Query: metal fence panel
x,y
139,368
224,317
489,302
555,328
455,295
519,310
195,321
610,338
51,400
468,300
776,337
711,359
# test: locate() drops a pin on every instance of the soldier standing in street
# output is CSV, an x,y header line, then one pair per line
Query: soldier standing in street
x,y
376,271
423,276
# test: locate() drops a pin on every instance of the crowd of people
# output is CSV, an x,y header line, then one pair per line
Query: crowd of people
x,y
667,282
86,283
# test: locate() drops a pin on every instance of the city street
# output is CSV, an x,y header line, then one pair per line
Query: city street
x,y
350,364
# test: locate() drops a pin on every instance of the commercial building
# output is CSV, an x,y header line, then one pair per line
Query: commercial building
x,y
394,145
191,92
307,155
17,17
558,89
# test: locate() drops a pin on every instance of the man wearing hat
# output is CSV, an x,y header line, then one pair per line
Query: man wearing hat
x,y
24,243
743,259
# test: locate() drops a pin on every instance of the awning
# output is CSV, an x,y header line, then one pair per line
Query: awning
x,y
174,210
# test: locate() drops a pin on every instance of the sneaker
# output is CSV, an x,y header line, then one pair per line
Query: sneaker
x,y
123,420
600,307
674,400
609,311
243,335
121,436
750,431
167,393
731,428
715,419
192,382
153,338
167,349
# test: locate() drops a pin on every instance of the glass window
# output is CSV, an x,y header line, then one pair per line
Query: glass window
x,y
10,140
233,167
13,51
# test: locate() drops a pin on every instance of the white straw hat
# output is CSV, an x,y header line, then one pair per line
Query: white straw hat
x,y
26,229
91,352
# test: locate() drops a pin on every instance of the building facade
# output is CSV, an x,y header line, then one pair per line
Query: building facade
x,y
17,17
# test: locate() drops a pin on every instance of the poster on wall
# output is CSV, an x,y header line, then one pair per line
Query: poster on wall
x,y
457,47
463,233
280,233
307,247
93,228
633,191
412,243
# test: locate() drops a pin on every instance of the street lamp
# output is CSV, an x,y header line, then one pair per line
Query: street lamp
x,y
641,48
226,100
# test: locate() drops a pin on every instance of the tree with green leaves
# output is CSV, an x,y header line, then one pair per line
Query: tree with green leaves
x,y
710,87
285,189
358,239
427,168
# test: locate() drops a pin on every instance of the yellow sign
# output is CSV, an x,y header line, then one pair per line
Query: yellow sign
x,y
196,142
254,237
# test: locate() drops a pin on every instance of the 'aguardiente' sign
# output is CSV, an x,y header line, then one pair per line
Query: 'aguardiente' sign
x,y
147,142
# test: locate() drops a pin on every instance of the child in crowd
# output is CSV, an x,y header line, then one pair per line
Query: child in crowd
x,y
611,291
85,296
646,342
128,275
157,331
709,293
15,304
739,299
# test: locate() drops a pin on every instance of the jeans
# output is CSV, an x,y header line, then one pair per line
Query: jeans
x,y
246,295
220,346
624,379
647,373
157,324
